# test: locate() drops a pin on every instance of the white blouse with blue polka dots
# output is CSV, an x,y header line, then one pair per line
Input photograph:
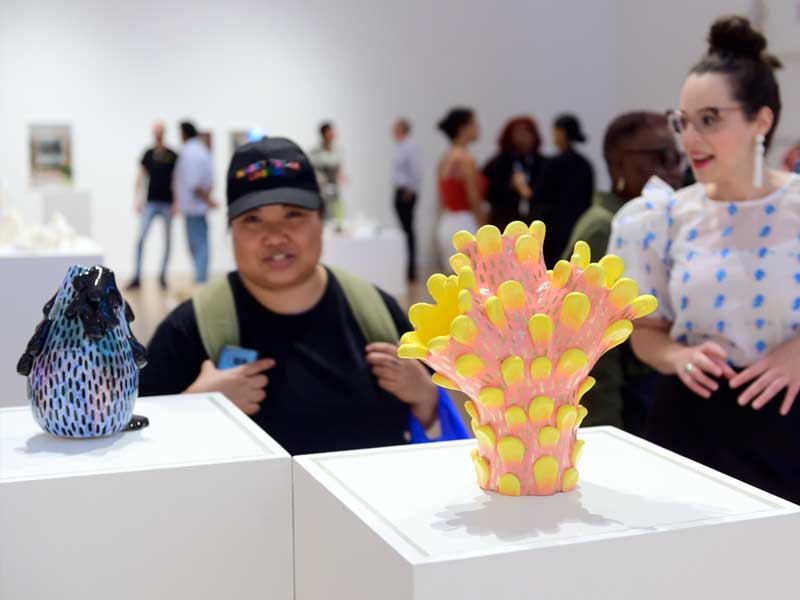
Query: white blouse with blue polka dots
x,y
722,271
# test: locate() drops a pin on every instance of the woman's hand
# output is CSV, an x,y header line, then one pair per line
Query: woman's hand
x,y
519,183
780,370
694,365
244,385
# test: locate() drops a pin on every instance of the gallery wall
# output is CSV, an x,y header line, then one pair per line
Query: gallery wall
x,y
660,41
109,69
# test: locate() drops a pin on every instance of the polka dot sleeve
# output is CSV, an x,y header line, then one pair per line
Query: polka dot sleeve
x,y
640,236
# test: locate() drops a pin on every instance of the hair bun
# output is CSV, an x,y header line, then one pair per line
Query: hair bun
x,y
735,36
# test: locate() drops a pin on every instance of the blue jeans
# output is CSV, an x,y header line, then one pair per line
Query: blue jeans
x,y
150,211
197,235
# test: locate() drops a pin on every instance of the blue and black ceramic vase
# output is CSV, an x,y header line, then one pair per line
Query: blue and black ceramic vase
x,y
83,361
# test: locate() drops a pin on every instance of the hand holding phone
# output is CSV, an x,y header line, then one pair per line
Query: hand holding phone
x,y
239,375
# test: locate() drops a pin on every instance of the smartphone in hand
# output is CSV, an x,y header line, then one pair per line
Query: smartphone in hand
x,y
234,356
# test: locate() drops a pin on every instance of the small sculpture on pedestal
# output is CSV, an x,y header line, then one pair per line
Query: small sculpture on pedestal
x,y
83,361
520,341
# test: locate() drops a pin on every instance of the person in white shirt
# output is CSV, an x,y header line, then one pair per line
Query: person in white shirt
x,y
723,258
406,180
327,162
192,187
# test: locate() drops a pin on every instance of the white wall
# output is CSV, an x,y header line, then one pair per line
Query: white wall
x,y
660,41
111,68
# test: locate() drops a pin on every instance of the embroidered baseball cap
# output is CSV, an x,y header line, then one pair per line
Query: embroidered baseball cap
x,y
271,171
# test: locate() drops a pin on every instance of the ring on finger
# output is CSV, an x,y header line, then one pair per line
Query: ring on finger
x,y
688,368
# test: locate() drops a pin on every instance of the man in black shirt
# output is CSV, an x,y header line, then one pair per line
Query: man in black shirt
x,y
319,385
157,166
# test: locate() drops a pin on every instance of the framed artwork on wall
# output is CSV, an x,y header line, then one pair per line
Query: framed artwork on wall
x,y
50,154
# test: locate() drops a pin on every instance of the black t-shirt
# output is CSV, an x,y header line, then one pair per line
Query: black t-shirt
x,y
564,193
321,395
503,199
159,165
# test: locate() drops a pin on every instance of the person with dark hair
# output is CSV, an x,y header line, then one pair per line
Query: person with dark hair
x,y
188,130
328,164
721,257
462,186
406,180
316,347
156,166
565,187
513,172
193,179
637,146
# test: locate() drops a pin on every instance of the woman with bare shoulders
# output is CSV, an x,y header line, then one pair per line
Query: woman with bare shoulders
x,y
462,186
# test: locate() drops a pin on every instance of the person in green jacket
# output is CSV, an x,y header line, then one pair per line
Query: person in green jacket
x,y
637,146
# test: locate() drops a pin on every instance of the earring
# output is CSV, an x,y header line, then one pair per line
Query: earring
x,y
758,172
620,185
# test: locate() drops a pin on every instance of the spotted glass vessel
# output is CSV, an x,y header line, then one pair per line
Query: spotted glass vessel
x,y
83,361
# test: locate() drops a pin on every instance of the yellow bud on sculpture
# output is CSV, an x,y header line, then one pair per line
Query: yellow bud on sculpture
x,y
541,409
538,231
462,239
489,240
561,273
623,292
526,249
491,397
613,266
520,340
541,328
496,312
516,229
513,370
459,261
548,436
541,368
512,294
515,418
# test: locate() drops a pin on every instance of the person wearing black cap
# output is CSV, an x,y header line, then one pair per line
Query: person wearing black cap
x,y
565,189
328,377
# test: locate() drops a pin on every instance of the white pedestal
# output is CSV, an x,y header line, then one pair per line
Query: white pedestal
x,y
197,505
28,281
378,258
411,523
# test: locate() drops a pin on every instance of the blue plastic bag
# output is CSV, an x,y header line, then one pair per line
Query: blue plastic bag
x,y
450,421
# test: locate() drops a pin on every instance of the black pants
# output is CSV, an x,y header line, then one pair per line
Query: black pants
x,y
404,202
759,447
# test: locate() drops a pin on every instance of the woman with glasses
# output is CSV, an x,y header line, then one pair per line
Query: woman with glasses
x,y
637,146
723,258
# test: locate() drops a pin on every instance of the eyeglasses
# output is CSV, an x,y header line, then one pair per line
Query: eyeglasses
x,y
705,121
665,158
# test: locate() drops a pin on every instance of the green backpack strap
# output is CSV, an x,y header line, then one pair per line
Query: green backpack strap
x,y
369,309
218,323
215,312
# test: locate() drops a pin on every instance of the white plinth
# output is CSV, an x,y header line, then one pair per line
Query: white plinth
x,y
198,505
379,258
411,523
28,281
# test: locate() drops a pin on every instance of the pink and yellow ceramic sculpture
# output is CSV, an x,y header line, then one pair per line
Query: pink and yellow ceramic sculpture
x,y
520,341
